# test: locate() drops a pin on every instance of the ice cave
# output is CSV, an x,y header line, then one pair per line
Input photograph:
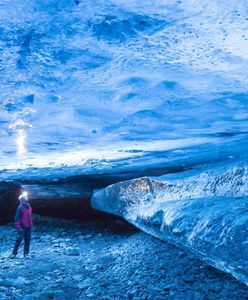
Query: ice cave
x,y
127,124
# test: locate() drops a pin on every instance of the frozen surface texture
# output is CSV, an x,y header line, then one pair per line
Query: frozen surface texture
x,y
204,211
92,87
87,83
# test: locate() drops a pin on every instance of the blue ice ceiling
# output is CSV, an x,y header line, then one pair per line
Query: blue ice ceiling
x,y
84,83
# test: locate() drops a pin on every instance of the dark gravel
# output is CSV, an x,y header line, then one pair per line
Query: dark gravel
x,y
106,260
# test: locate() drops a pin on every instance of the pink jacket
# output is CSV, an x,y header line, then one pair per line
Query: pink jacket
x,y
23,216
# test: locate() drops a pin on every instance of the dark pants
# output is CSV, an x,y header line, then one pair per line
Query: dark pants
x,y
23,233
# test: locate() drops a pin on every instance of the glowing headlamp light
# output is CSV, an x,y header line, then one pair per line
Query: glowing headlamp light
x,y
23,196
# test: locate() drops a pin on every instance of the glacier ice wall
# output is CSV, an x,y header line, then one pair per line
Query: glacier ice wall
x,y
105,87
99,81
204,211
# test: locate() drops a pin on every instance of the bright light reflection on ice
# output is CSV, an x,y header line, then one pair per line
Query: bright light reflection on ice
x,y
20,142
81,156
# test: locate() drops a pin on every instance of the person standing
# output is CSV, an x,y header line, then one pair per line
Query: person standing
x,y
23,224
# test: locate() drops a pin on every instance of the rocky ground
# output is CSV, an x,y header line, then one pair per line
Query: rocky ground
x,y
106,260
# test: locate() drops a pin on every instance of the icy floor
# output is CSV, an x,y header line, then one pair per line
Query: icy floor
x,y
106,261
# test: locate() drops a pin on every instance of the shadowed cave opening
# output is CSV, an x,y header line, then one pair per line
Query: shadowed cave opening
x,y
70,197
79,210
